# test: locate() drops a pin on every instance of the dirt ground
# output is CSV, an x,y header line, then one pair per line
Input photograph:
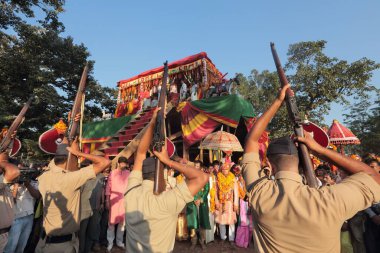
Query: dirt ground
x,y
183,247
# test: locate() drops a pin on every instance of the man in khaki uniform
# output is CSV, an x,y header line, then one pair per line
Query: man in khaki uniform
x,y
151,220
290,216
8,172
60,190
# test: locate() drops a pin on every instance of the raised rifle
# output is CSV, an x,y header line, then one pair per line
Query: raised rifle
x,y
295,118
7,143
27,174
159,135
72,131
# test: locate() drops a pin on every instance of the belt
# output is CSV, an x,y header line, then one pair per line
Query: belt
x,y
58,238
4,230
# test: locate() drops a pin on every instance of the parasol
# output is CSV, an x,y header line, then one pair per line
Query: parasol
x,y
340,135
221,140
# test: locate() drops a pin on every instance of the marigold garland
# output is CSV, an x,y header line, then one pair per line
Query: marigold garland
x,y
225,186
242,191
180,179
212,194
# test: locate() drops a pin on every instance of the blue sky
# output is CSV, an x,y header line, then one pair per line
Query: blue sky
x,y
129,37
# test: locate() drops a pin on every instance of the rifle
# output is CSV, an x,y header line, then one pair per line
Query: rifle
x,y
295,118
7,143
159,135
72,131
27,174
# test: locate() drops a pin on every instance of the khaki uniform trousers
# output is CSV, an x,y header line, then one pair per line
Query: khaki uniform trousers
x,y
65,247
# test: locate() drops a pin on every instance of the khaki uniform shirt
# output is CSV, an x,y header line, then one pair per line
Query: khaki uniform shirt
x,y
292,217
151,220
60,192
6,204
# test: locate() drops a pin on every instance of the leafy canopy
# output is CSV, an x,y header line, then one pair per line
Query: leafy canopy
x,y
35,58
317,79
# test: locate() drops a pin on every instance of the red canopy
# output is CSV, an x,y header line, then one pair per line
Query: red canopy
x,y
340,135
171,65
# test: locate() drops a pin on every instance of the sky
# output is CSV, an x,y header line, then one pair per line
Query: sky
x,y
126,38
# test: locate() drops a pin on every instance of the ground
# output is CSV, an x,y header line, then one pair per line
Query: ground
x,y
183,247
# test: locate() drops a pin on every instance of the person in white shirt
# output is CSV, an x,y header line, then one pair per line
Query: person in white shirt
x,y
25,195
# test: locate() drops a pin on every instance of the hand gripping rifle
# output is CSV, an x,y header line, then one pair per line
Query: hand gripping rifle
x,y
72,131
7,142
159,135
294,115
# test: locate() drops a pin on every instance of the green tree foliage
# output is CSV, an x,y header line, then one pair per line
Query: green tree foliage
x,y
261,88
364,121
36,59
317,79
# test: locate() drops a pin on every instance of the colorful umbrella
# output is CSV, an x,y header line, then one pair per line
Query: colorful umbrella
x,y
340,135
221,141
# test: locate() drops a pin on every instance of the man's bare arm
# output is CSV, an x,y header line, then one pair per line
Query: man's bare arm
x,y
195,179
252,142
145,142
346,163
99,163
11,172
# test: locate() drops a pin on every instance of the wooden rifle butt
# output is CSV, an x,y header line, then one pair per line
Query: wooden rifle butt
x,y
72,163
159,180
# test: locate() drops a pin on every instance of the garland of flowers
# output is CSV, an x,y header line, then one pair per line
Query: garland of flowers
x,y
212,194
180,179
242,191
225,186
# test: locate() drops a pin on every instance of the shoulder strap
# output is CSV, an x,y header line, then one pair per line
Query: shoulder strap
x,y
125,194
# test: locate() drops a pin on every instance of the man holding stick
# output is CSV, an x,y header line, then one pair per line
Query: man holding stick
x,y
151,219
289,215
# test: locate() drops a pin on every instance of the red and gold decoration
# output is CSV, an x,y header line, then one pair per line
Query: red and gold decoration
x,y
317,133
340,136
50,139
199,68
16,145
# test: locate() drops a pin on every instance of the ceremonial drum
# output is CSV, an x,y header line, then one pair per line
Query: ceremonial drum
x,y
181,232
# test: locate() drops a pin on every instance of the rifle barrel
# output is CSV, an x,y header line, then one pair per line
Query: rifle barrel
x,y
72,160
159,135
15,125
294,116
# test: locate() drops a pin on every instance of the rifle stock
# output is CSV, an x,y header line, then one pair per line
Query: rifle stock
x,y
159,135
72,131
6,142
291,105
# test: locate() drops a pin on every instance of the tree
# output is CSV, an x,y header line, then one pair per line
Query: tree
x,y
364,121
317,79
261,89
36,59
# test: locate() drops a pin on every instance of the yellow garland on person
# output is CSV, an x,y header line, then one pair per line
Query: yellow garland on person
x,y
180,179
212,194
225,186
242,191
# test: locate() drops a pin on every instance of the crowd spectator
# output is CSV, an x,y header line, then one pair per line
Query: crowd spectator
x,y
24,195
116,186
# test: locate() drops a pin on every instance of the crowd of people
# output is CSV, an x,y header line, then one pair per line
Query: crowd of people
x,y
231,204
